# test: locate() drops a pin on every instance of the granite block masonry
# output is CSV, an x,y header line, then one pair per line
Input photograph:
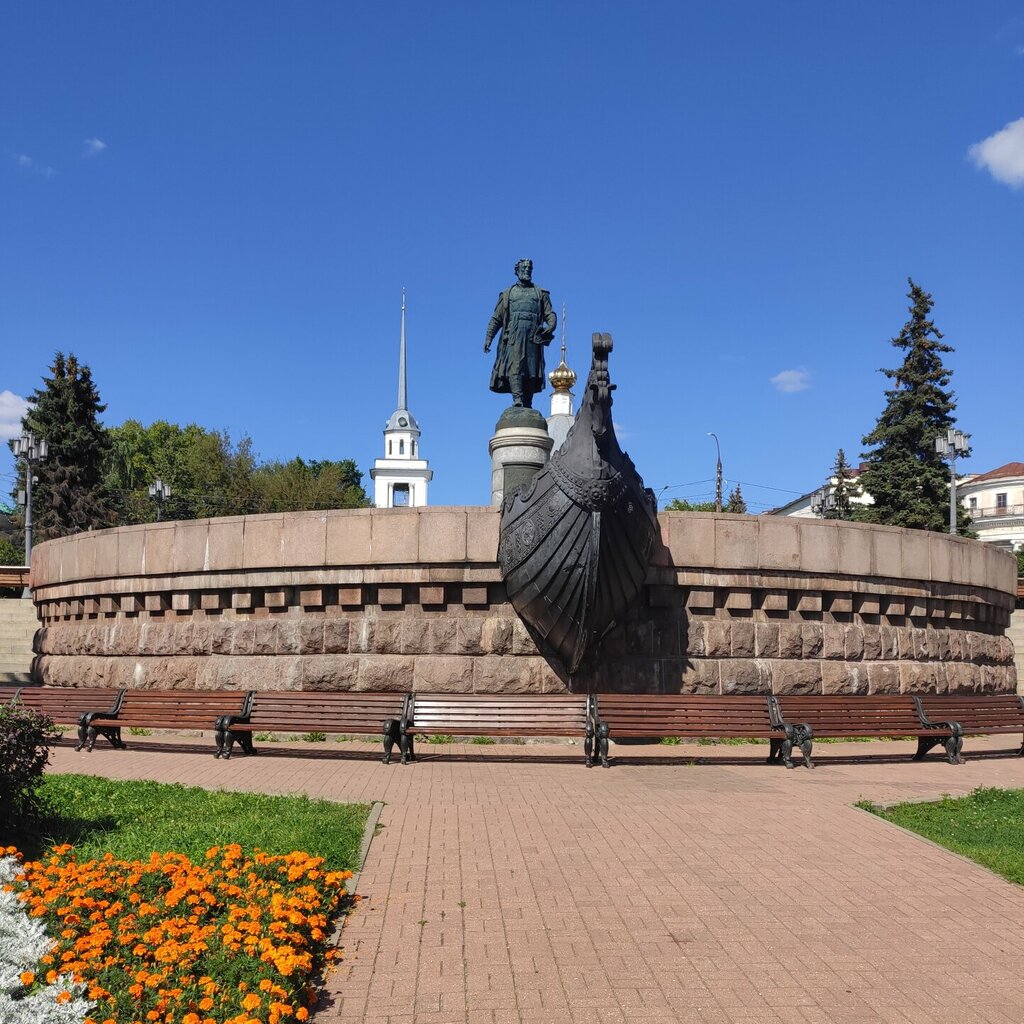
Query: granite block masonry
x,y
411,598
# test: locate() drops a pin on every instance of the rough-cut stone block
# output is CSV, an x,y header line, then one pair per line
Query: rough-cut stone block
x,y
443,674
474,597
742,639
917,677
387,636
349,537
442,536
702,676
736,542
432,597
330,672
766,639
495,674
304,539
522,642
696,632
389,672
717,639
265,636
443,635
496,636
778,543
336,633
840,678
745,677
853,642
469,636
811,638
796,677
243,639
311,636
790,640
832,640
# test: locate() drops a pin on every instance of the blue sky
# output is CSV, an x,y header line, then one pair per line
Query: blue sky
x,y
216,206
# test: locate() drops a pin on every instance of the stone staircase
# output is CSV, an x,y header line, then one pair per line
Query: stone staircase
x,y
18,625
1016,635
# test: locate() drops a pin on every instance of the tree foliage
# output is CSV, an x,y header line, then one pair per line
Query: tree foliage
x,y
682,505
905,476
71,494
843,489
1020,560
736,502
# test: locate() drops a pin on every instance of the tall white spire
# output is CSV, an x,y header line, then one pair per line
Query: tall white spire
x,y
402,394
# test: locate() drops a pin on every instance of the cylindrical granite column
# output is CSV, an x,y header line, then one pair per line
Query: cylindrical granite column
x,y
519,449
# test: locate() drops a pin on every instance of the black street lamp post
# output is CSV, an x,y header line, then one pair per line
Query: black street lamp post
x,y
33,450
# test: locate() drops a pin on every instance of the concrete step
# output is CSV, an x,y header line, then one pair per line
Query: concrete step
x,y
15,679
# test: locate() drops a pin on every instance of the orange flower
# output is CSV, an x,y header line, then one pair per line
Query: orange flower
x,y
26,978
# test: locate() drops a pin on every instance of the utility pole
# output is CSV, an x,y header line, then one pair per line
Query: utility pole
x,y
718,473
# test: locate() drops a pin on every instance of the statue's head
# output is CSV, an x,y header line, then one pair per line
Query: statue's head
x,y
524,270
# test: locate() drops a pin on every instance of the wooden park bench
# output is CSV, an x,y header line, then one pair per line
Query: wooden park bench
x,y
520,715
347,713
67,705
875,716
9,694
976,713
688,716
160,709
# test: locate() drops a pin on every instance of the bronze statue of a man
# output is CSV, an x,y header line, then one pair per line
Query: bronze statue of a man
x,y
526,321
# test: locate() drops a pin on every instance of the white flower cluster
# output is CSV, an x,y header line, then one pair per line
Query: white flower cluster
x,y
23,942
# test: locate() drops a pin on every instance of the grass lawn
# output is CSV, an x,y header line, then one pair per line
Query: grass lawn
x,y
987,826
134,819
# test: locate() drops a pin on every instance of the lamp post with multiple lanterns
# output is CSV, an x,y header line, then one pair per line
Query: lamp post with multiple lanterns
x,y
718,473
951,445
33,450
159,492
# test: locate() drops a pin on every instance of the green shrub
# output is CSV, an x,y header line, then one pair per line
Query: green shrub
x,y
482,741
24,752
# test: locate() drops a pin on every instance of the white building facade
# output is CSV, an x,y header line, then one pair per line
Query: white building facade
x,y
401,476
995,501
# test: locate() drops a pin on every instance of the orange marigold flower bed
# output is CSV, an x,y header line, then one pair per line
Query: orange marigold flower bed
x,y
235,939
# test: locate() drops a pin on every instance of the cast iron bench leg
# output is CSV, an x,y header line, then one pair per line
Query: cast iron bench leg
x,y
407,748
774,750
602,743
799,735
392,735
588,749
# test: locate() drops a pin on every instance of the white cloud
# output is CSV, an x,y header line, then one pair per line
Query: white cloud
x,y
26,163
1002,154
790,381
94,146
12,408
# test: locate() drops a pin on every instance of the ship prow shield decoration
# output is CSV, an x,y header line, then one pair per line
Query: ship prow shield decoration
x,y
575,542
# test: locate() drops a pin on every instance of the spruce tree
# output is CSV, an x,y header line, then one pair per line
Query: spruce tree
x,y
736,502
842,507
905,476
70,495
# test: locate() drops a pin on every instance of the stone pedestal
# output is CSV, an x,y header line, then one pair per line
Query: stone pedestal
x,y
519,448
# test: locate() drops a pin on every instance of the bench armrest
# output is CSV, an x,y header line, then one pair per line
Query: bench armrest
x,y
955,728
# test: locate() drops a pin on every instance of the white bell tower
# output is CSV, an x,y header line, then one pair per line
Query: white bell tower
x,y
400,478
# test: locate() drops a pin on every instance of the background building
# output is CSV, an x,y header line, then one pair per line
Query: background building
x,y
400,478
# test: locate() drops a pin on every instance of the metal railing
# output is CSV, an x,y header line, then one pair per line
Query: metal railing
x,y
991,511
13,575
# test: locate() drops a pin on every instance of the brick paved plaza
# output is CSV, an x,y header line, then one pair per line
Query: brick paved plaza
x,y
510,884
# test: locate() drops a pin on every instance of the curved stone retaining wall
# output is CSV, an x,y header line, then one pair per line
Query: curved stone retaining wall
x,y
412,599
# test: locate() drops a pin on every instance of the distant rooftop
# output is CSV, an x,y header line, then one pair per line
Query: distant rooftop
x,y
1011,469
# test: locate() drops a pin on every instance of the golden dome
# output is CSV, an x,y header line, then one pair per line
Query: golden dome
x,y
561,377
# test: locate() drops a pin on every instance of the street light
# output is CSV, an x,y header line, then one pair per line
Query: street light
x,y
718,473
949,447
159,492
823,501
33,450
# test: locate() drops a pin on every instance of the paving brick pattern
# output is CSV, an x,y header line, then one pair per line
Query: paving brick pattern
x,y
513,886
